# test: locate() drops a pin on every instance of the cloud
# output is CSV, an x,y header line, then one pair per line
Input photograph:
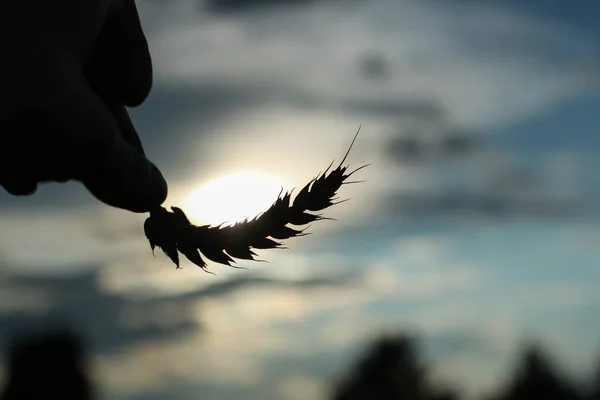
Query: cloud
x,y
459,174
233,6
452,66
77,301
62,239
476,205
423,145
451,343
16,299
301,387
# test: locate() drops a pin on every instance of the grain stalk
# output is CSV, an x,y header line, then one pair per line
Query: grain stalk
x,y
173,233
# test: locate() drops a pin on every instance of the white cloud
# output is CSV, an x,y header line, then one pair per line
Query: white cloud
x,y
147,276
13,298
482,72
140,372
38,240
301,388
424,251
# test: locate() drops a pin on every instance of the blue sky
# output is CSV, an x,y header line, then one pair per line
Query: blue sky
x,y
476,249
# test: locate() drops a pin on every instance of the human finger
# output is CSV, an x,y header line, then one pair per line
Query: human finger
x,y
102,186
20,187
121,61
113,169
136,61
16,175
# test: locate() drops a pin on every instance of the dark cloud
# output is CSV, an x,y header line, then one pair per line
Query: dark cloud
x,y
458,143
466,173
233,6
77,301
423,109
427,144
408,148
375,66
102,317
439,202
229,286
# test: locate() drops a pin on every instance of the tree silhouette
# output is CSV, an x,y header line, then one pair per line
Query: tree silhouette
x,y
391,369
47,365
595,384
536,377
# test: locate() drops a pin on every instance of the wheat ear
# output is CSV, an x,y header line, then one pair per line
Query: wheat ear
x,y
173,233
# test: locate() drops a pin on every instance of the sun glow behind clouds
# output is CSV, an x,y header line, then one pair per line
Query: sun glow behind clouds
x,y
233,197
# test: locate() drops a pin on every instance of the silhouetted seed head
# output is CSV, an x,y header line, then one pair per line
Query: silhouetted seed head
x,y
173,233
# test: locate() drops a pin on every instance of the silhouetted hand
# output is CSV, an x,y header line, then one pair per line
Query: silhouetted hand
x,y
67,71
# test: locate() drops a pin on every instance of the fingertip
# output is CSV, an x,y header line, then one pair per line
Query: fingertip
x,y
137,185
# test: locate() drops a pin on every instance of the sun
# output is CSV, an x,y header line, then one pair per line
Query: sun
x,y
232,198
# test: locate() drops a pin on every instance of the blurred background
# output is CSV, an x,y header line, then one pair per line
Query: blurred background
x,y
476,229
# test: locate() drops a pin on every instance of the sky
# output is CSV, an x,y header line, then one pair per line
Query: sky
x,y
476,226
